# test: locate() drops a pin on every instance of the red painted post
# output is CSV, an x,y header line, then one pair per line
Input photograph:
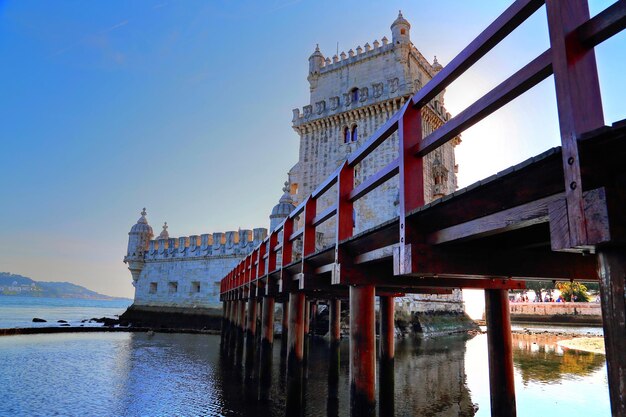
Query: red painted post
x,y
612,272
295,355
578,101
362,351
500,347
267,341
345,220
386,380
411,175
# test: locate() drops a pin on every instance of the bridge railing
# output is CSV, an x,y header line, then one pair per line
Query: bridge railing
x,y
573,35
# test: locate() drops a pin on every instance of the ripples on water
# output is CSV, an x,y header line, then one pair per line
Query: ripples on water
x,y
124,374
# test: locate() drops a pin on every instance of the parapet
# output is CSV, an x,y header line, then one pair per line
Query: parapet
x,y
230,243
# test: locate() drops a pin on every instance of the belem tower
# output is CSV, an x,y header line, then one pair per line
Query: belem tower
x,y
351,95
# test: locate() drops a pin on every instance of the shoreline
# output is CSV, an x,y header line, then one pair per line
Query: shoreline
x,y
17,331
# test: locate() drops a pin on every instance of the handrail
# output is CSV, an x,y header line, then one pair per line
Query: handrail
x,y
590,33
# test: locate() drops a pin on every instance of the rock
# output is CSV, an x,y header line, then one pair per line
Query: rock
x,y
65,324
61,321
38,320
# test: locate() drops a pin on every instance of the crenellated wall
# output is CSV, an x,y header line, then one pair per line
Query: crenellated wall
x,y
184,272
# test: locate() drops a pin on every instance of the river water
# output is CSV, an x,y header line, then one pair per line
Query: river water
x,y
139,374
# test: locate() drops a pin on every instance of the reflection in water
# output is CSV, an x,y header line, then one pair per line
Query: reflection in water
x,y
123,374
541,359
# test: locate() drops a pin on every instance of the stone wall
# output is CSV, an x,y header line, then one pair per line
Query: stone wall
x,y
582,313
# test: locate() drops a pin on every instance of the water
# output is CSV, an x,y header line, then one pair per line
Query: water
x,y
16,311
137,374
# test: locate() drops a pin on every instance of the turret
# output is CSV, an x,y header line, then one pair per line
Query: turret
x,y
316,62
138,238
400,30
282,209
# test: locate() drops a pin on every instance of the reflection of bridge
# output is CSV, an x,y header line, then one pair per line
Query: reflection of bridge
x,y
558,215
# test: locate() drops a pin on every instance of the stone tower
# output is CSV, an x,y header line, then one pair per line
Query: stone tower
x,y
138,237
352,95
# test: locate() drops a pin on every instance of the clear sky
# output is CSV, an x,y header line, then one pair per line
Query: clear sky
x,y
184,107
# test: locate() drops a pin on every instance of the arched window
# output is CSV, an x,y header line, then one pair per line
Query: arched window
x,y
346,135
355,133
355,95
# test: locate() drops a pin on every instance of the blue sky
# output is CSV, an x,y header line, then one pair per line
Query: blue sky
x,y
185,108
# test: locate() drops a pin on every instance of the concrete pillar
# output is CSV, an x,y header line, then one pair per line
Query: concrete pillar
x,y
362,351
500,347
334,319
267,341
295,353
612,273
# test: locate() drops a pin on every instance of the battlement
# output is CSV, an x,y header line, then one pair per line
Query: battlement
x,y
206,245
332,93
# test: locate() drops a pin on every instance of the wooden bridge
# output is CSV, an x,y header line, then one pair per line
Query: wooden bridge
x,y
560,215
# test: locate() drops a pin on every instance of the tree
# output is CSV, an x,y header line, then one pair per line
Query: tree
x,y
568,289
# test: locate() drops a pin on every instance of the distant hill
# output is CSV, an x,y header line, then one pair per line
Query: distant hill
x,y
14,284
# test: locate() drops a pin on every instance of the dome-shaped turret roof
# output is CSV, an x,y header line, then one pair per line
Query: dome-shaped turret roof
x,y
142,225
436,65
400,20
285,204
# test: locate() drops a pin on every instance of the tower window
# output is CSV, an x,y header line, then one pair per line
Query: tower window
x,y
402,31
346,135
172,286
355,133
195,287
153,288
355,95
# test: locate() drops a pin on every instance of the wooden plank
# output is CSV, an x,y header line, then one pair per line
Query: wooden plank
x,y
425,260
594,208
411,181
296,234
324,215
514,218
388,172
578,101
523,80
604,25
326,185
506,23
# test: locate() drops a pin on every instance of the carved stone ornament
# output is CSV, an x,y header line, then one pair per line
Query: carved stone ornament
x,y
363,93
378,89
334,103
393,85
320,107
296,115
347,99
308,110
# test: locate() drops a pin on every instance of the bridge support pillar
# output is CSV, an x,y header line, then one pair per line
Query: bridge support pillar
x,y
362,351
267,341
241,319
226,325
386,381
500,348
334,318
284,329
250,337
612,273
295,352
